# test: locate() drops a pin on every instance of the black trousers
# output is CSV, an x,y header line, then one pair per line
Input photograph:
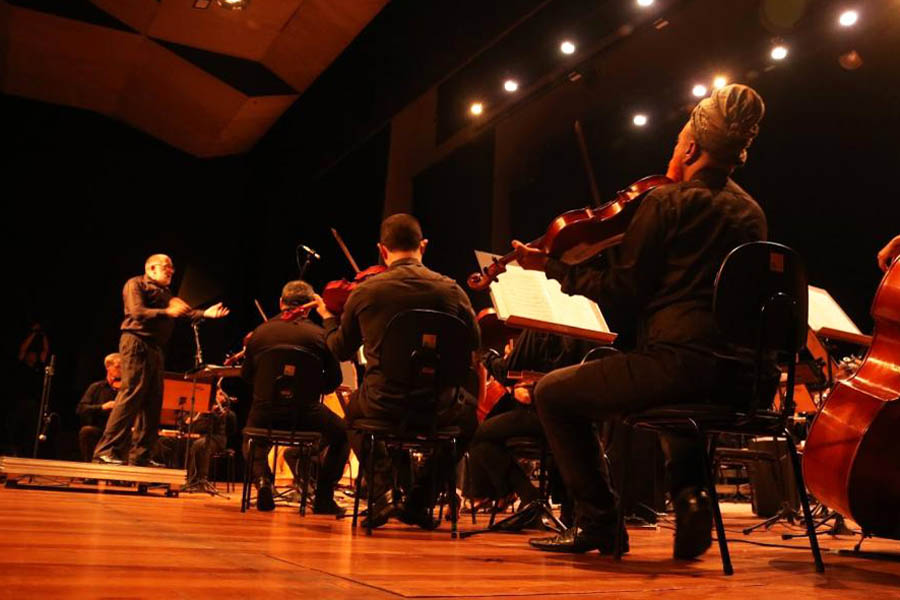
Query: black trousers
x,y
460,414
314,417
138,402
88,436
569,400
494,471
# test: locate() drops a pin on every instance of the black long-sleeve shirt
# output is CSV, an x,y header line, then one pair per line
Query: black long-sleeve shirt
x,y
90,406
145,303
537,351
407,284
666,265
298,332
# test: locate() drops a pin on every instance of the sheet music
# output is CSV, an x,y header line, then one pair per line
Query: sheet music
x,y
526,295
824,312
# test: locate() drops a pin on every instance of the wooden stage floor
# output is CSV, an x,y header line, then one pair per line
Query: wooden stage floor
x,y
92,545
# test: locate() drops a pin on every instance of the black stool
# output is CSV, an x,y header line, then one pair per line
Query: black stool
x,y
228,456
306,441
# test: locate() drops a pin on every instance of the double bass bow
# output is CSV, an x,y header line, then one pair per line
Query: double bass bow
x,y
851,461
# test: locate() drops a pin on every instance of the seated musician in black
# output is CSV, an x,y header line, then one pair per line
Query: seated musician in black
x,y
494,471
214,428
407,284
665,268
291,327
96,404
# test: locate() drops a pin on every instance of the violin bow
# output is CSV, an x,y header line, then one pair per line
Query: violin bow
x,y
582,146
343,246
259,307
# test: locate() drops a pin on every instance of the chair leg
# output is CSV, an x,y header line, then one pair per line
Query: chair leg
x,y
542,471
804,502
370,485
303,469
471,502
454,506
359,476
493,513
714,498
248,469
229,471
623,492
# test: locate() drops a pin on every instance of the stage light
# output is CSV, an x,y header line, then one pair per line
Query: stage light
x,y
510,85
567,47
233,4
699,90
639,120
720,82
477,108
644,3
779,53
848,18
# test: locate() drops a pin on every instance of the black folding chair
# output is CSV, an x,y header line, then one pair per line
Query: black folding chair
x,y
286,378
760,305
425,353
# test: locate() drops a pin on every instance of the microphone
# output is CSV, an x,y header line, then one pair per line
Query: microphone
x,y
310,252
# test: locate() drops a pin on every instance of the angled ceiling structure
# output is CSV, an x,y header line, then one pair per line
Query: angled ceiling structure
x,y
208,81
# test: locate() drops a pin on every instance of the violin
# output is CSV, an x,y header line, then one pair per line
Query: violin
x,y
336,292
577,235
288,315
850,457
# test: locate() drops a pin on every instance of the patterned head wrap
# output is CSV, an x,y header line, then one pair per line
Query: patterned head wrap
x,y
726,122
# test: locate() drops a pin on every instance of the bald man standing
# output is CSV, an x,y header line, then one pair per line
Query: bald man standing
x,y
664,272
150,313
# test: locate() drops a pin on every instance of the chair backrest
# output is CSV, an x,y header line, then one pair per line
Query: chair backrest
x,y
425,351
761,303
762,298
287,377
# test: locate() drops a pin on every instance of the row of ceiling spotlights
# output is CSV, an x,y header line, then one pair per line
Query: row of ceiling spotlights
x,y
778,52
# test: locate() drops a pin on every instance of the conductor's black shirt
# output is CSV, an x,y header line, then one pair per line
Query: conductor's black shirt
x,y
145,303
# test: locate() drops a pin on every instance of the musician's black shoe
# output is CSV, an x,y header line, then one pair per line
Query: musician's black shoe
x,y
265,496
420,517
108,459
149,462
693,523
576,540
382,509
329,507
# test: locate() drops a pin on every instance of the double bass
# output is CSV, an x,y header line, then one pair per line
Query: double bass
x,y
851,461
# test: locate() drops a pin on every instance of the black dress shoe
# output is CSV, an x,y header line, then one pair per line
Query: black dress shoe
x,y
149,463
383,509
108,459
693,523
329,507
575,540
265,496
420,517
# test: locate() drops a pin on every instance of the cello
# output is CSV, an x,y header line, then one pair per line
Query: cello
x,y
851,461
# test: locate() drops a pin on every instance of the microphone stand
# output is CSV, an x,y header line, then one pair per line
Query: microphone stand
x,y
43,416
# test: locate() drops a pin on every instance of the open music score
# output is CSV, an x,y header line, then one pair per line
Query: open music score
x,y
528,299
829,320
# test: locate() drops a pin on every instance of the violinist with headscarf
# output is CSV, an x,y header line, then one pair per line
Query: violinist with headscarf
x,y
663,272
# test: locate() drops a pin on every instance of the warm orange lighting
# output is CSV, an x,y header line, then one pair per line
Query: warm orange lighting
x,y
567,47
720,82
779,53
477,108
699,90
639,120
644,3
510,85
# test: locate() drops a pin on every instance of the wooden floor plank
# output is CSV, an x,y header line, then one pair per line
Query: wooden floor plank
x,y
60,544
